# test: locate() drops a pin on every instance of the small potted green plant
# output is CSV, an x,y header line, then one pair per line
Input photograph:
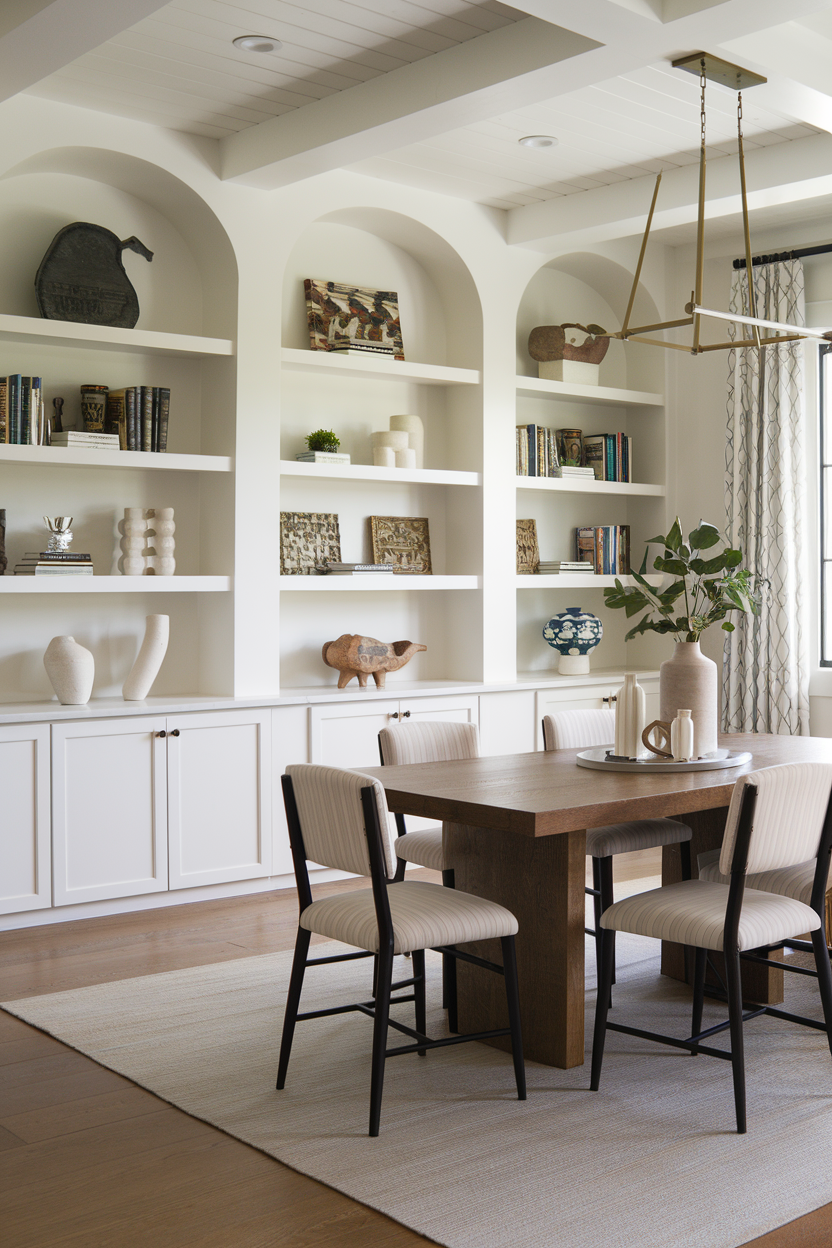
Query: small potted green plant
x,y
705,590
322,440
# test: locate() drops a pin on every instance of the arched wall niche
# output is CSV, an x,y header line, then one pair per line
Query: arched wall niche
x,y
586,287
441,312
191,284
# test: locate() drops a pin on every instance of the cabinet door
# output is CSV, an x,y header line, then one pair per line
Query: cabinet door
x,y
346,735
109,816
571,698
463,709
25,878
219,797
290,744
507,722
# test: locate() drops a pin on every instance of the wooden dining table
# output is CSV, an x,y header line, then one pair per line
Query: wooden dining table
x,y
515,832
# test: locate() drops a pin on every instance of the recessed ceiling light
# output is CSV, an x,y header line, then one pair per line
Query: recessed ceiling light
x,y
257,43
538,140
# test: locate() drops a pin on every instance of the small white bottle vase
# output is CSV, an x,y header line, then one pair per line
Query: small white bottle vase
x,y
682,738
630,718
149,659
71,670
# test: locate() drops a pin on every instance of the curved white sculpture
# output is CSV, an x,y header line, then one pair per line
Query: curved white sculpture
x,y
149,659
71,670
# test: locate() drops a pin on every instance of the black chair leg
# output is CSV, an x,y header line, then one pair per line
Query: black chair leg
x,y
513,1002
602,1008
380,1024
419,993
292,1003
700,963
734,984
605,877
824,980
596,907
449,972
447,962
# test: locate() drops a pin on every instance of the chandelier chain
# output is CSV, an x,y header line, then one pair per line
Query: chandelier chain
x,y
702,81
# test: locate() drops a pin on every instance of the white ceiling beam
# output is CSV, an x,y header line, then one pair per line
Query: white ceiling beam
x,y
39,37
490,74
782,174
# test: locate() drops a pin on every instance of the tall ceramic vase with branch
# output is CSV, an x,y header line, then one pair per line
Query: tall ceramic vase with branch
x,y
705,590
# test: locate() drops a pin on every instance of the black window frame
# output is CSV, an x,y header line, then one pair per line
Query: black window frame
x,y
825,555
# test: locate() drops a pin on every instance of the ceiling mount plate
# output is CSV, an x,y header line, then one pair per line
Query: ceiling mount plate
x,y
723,72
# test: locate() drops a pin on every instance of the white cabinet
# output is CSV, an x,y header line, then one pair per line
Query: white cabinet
x,y
25,882
219,797
346,734
507,722
125,791
591,696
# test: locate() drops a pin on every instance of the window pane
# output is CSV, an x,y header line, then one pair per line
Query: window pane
x,y
826,655
826,414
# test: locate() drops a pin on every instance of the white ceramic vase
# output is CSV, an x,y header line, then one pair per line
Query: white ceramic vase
x,y
71,670
630,718
149,659
689,679
415,430
682,744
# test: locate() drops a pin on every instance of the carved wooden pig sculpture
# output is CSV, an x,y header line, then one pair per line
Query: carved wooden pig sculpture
x,y
352,655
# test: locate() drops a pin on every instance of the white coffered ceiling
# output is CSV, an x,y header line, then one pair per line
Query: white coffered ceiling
x,y
436,94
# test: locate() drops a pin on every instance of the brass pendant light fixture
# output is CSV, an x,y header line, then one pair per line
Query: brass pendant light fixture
x,y
711,67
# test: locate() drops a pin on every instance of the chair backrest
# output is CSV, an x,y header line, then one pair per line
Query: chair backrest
x,y
578,730
428,741
792,801
332,817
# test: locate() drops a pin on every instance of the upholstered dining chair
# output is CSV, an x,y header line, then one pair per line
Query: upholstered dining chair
x,y
778,816
581,730
340,819
428,741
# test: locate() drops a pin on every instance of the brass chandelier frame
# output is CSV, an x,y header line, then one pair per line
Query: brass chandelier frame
x,y
710,67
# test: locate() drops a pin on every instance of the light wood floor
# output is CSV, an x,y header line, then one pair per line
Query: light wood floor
x,y
88,1159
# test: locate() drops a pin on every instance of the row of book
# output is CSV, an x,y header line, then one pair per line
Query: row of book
x,y
139,415
536,452
552,567
606,547
21,402
610,455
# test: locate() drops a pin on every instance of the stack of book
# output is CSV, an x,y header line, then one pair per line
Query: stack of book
x,y
87,441
362,348
573,470
610,455
139,415
20,408
550,567
323,457
358,569
54,563
606,547
536,452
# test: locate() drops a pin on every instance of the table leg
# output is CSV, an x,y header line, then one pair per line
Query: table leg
x,y
542,882
760,984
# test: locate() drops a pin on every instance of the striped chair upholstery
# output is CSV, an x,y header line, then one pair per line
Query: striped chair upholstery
x,y
340,819
778,831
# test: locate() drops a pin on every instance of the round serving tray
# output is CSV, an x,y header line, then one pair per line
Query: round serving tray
x,y
601,760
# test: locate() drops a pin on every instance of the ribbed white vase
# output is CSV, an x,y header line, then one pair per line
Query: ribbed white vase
x,y
630,718
689,680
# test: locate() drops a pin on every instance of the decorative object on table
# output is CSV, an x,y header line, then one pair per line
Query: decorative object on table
x,y
402,541
94,408
606,547
391,449
415,430
656,738
574,633
58,406
357,569
528,554
536,452
147,542
553,567
703,592
609,455
630,714
81,277
149,659
353,318
571,448
60,533
307,540
682,738
602,759
566,359
71,670
4,563
353,655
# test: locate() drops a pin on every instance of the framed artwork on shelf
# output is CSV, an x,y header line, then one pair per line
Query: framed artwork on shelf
x,y
528,555
402,541
353,320
307,540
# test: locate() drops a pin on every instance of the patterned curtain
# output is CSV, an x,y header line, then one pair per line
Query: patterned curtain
x,y
765,672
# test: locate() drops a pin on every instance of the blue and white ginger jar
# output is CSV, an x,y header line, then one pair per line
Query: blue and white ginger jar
x,y
574,634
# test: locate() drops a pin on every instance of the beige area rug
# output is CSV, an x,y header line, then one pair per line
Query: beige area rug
x,y
650,1161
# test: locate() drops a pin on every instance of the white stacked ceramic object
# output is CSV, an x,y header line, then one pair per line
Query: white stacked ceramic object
x,y
71,670
689,680
161,528
406,458
630,718
384,457
415,431
132,529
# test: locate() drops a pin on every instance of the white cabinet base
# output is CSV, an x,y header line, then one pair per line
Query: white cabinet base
x,y
25,876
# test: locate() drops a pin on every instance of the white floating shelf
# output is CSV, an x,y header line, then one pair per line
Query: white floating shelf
x,y
376,582
114,584
577,485
537,388
108,338
367,472
578,580
71,456
380,369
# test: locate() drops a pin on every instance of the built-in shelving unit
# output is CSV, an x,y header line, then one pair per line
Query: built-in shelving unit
x,y
107,338
577,485
379,368
375,582
577,580
114,584
367,472
598,396
79,457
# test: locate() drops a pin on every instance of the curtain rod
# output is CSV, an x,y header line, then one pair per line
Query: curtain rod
x,y
786,255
